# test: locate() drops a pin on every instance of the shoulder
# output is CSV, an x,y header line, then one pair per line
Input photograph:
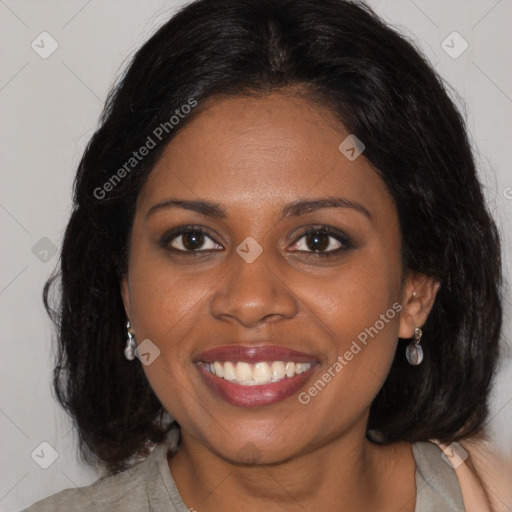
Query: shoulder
x,y
493,469
471,473
437,486
124,492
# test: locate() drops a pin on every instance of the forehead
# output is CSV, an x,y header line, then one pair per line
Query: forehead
x,y
252,152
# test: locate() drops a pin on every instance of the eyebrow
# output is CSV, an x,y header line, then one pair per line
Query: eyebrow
x,y
294,209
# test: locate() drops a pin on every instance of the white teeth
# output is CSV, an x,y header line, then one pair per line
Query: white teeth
x,y
301,367
277,370
261,373
229,371
218,369
290,369
258,373
243,371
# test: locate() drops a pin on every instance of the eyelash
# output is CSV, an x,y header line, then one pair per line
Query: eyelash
x,y
343,239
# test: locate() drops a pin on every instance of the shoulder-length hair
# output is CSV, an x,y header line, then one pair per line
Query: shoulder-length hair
x,y
380,87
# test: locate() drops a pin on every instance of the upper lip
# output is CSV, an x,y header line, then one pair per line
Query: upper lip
x,y
253,354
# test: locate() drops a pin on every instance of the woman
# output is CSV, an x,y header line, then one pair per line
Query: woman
x,y
280,281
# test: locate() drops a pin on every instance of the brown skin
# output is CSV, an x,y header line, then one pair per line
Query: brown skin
x,y
253,156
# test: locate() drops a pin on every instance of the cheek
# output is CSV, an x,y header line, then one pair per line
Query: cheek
x,y
357,293
165,299
359,309
165,303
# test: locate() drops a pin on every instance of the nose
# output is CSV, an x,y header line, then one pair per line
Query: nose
x,y
253,294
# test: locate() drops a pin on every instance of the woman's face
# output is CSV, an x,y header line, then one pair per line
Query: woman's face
x,y
246,291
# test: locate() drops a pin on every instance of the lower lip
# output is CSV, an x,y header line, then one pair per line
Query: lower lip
x,y
257,395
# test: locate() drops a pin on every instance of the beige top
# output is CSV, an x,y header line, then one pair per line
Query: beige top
x,y
148,486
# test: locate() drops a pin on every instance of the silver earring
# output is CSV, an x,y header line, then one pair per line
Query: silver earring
x,y
131,345
414,352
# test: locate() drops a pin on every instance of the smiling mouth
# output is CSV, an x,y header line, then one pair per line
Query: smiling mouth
x,y
246,384
256,374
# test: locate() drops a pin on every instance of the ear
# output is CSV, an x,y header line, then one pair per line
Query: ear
x,y
418,296
125,294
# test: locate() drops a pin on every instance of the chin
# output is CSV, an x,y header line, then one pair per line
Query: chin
x,y
258,446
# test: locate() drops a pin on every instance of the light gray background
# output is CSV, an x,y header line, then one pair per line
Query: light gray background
x,y
49,109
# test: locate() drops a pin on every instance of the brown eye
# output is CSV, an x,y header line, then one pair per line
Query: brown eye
x,y
187,239
192,241
322,242
317,241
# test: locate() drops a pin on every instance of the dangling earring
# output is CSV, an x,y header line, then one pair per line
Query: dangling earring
x,y
414,352
131,345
